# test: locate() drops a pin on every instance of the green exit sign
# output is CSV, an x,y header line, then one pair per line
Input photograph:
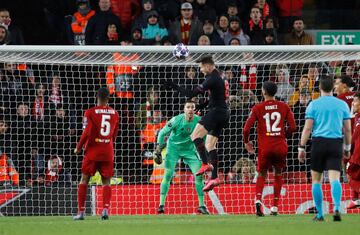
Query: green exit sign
x,y
337,37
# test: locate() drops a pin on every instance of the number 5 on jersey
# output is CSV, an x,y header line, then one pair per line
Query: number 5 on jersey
x,y
105,125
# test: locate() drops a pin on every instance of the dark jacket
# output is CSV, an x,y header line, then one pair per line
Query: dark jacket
x,y
215,38
16,35
195,31
255,32
168,9
96,30
205,12
256,36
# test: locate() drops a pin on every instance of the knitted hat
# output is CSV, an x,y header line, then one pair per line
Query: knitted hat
x,y
152,13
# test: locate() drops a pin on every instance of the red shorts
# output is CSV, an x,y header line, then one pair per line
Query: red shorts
x,y
355,185
105,168
354,171
272,156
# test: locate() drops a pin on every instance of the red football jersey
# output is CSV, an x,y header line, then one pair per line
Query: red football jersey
x,y
270,116
100,126
348,97
355,157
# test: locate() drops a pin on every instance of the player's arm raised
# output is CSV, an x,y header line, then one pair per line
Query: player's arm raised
x,y
246,131
87,125
206,85
184,92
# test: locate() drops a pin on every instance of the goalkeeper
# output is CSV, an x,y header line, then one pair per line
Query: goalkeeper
x,y
180,146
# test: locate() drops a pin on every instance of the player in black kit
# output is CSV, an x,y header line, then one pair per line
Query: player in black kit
x,y
215,119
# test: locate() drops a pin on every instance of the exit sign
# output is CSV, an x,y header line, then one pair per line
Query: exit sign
x,y
337,37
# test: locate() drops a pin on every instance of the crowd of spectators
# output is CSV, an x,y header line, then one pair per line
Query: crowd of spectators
x,y
158,22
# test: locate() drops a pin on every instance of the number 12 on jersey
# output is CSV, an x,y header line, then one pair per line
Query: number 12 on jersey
x,y
275,117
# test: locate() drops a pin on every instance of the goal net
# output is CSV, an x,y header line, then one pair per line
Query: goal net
x,y
45,91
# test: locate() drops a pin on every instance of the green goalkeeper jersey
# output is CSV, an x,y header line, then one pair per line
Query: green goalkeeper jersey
x,y
180,132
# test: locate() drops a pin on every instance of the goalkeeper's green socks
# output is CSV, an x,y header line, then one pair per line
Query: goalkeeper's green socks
x,y
201,200
199,184
164,189
162,199
165,185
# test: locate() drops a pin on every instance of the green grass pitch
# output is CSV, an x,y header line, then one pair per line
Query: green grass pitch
x,y
184,225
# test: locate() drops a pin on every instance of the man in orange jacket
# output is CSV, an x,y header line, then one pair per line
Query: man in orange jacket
x,y
119,77
8,173
80,20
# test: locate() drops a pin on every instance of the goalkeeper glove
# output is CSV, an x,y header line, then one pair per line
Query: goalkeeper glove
x,y
157,157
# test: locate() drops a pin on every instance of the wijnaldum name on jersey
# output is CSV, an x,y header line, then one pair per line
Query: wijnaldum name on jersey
x,y
105,111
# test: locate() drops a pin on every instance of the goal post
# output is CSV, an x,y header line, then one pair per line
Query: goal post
x,y
46,89
227,54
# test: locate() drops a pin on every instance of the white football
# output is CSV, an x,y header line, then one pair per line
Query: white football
x,y
180,51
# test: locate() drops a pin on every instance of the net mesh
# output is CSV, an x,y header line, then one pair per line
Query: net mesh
x,y
44,95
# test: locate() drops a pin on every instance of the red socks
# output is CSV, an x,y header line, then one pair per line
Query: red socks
x,y
260,181
82,192
278,181
355,188
354,195
106,196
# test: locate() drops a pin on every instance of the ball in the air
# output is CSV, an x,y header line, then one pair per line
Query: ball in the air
x,y
180,51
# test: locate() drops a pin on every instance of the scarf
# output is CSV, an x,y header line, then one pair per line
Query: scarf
x,y
38,108
252,24
185,31
55,96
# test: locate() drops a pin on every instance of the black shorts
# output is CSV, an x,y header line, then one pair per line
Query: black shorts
x,y
326,154
215,120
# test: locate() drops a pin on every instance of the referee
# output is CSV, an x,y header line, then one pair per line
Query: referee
x,y
326,118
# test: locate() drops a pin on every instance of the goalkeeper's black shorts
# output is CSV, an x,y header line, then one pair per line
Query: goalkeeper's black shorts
x,y
326,154
215,120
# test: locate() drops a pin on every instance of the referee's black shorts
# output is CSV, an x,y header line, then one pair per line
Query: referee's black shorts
x,y
326,154
215,120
